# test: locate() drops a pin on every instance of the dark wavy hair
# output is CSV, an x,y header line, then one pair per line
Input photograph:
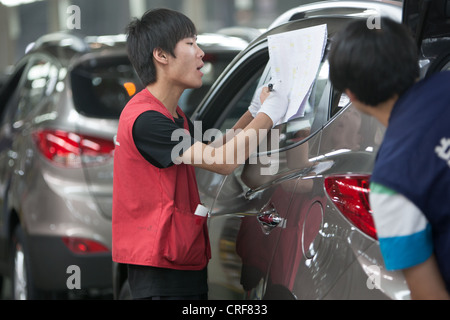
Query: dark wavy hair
x,y
158,28
374,64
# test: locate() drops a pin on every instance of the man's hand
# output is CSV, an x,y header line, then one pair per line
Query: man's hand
x,y
257,101
260,96
275,106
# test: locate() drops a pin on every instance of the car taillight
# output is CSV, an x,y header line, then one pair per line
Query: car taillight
x,y
350,194
70,150
84,246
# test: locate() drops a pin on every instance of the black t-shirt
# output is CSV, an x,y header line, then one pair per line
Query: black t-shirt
x,y
152,134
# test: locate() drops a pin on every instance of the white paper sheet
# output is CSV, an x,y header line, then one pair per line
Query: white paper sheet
x,y
295,58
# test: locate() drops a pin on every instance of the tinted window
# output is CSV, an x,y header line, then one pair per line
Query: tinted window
x,y
316,110
102,87
340,101
38,84
294,131
215,64
9,93
241,102
232,95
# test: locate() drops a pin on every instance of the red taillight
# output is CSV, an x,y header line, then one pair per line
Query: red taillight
x,y
350,194
70,150
84,246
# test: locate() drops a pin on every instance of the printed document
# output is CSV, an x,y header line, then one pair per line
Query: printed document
x,y
295,58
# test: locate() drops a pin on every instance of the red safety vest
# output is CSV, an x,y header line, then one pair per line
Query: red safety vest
x,y
153,221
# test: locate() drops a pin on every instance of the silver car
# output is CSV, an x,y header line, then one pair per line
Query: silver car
x,y
59,114
305,232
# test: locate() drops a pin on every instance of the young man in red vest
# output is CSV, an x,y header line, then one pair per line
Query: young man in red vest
x,y
155,231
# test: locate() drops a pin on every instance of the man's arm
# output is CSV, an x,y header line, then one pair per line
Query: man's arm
x,y
259,97
406,244
243,122
425,281
224,159
240,144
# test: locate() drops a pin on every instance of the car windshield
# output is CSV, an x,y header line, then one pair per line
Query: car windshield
x,y
102,87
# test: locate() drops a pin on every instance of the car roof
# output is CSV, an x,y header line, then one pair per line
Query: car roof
x,y
334,11
67,46
367,8
220,42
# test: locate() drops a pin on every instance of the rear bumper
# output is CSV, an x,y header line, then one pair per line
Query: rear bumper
x,y
50,260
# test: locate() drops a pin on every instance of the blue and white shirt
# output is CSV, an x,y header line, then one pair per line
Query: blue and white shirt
x,y
410,187
402,228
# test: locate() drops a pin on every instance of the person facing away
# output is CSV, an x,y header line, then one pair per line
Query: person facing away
x,y
154,228
410,187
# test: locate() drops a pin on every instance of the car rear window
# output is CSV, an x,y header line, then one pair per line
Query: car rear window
x,y
103,86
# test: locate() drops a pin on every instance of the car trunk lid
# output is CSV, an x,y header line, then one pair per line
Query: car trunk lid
x,y
102,84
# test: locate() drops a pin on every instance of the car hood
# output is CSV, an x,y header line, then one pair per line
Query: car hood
x,y
427,18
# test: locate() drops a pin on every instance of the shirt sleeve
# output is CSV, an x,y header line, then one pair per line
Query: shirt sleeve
x,y
158,137
403,230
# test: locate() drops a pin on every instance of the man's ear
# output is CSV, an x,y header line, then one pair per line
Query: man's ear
x,y
351,95
160,56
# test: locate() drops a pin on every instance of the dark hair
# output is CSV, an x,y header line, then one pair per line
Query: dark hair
x,y
158,28
374,64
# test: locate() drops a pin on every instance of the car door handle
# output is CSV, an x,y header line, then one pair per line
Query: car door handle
x,y
269,219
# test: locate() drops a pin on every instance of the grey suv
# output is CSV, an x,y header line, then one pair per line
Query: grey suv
x,y
58,115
